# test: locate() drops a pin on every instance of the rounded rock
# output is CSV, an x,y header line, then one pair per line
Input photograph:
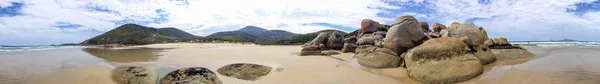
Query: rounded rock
x,y
191,75
442,60
134,75
244,71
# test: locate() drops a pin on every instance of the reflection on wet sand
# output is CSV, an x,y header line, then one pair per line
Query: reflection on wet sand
x,y
125,55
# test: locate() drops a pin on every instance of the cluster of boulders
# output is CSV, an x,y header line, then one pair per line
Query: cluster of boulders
x,y
188,75
439,55
323,41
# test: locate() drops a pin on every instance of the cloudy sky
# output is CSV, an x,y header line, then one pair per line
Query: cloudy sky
x,y
40,22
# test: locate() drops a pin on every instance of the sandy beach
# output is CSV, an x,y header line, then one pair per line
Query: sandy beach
x,y
92,66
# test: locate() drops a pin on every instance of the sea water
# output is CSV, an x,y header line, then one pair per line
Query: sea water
x,y
560,44
5,48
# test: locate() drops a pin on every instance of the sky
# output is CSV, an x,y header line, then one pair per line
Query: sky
x,y
43,22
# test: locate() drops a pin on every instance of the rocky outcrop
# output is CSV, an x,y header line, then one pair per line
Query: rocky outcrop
x,y
134,75
335,41
324,41
442,60
191,75
437,27
244,71
404,34
374,57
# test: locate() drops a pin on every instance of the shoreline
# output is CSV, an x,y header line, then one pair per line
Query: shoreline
x,y
550,65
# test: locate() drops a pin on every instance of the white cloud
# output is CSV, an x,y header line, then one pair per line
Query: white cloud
x,y
195,16
521,19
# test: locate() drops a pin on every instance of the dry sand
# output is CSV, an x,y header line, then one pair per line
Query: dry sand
x,y
550,65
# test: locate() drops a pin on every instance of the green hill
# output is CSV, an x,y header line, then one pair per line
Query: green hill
x,y
253,34
133,34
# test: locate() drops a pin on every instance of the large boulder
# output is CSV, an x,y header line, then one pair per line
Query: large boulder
x,y
425,26
437,27
134,75
368,26
442,60
349,47
378,58
475,35
403,34
244,71
191,75
335,41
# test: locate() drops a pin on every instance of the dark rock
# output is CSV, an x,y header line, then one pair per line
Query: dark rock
x,y
335,41
425,26
134,75
191,75
349,47
244,71
437,27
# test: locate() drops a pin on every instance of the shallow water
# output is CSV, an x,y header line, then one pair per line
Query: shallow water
x,y
550,65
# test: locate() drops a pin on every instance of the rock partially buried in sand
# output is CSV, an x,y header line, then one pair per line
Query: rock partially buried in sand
x,y
312,50
378,58
442,60
244,71
330,52
511,54
191,75
134,75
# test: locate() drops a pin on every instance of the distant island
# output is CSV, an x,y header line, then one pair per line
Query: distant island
x,y
564,40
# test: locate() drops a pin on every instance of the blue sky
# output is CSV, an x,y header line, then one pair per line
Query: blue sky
x,y
42,22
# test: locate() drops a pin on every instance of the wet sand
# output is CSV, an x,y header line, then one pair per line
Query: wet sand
x,y
92,66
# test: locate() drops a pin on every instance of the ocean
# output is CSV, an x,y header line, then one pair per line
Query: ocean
x,y
6,48
560,44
